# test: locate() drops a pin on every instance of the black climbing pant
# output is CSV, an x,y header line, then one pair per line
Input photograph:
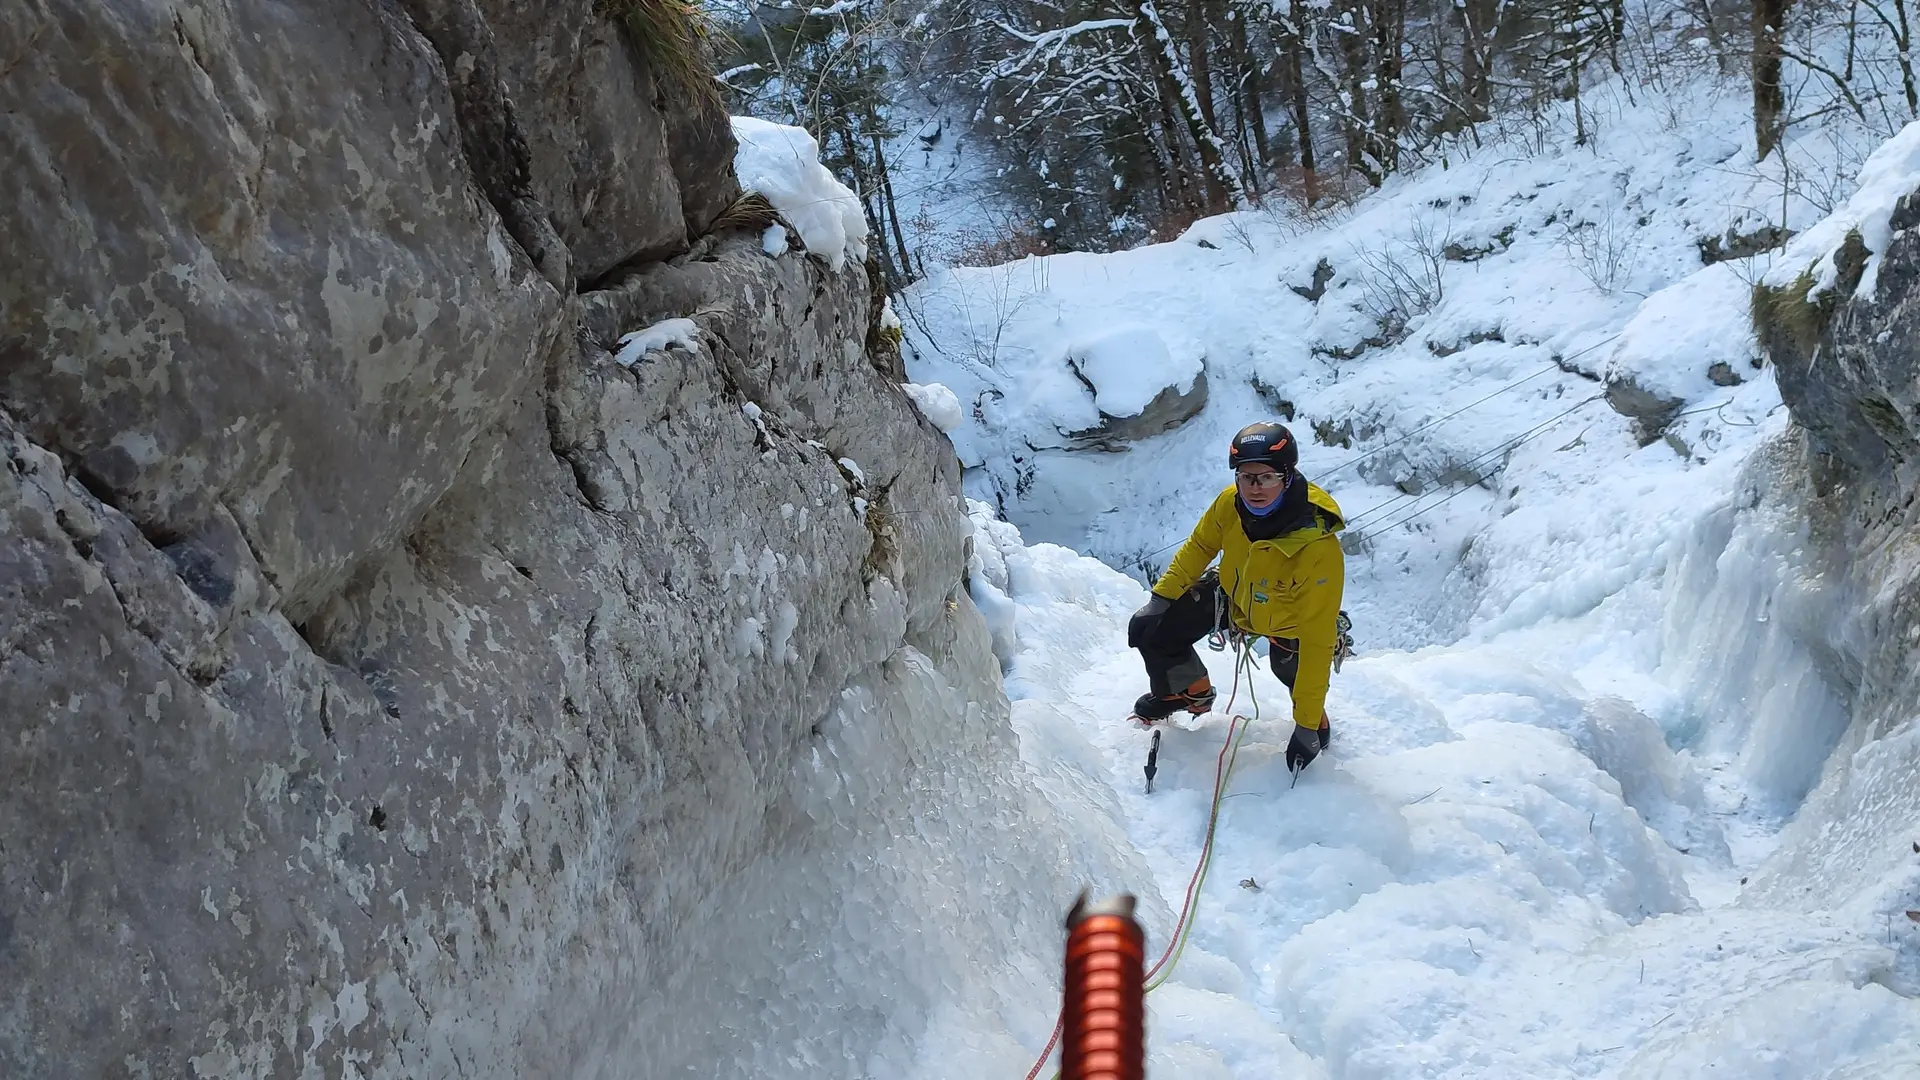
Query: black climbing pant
x,y
1167,649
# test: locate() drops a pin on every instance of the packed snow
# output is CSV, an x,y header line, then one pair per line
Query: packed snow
x,y
783,164
936,403
1585,705
635,346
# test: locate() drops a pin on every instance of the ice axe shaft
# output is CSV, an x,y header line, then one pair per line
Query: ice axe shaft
x,y
1153,759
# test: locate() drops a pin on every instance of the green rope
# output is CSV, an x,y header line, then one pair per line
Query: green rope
x,y
1243,667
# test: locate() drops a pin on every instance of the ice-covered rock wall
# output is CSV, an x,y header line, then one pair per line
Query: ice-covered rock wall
x,y
1758,633
391,683
1845,338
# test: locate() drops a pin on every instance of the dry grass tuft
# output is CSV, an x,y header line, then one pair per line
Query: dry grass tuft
x,y
673,36
751,212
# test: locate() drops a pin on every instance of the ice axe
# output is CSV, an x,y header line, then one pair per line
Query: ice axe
x,y
1153,759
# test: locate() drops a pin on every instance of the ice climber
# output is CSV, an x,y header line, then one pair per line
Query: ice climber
x,y
1280,577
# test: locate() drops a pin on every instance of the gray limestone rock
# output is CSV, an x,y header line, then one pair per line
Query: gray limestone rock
x,y
630,166
489,784
262,279
1856,389
1650,412
392,684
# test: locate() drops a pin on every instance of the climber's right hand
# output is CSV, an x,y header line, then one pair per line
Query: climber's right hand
x,y
1147,620
1305,745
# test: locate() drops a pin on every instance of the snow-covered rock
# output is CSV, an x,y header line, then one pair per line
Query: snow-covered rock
x,y
1890,176
1141,386
1679,347
936,403
1129,367
783,164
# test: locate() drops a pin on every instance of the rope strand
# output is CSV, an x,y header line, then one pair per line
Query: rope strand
x,y
1237,728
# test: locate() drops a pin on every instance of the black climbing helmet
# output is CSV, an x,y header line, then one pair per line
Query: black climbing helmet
x,y
1266,443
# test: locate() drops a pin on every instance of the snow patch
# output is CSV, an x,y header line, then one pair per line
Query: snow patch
x,y
1679,333
783,164
635,346
749,638
786,618
937,403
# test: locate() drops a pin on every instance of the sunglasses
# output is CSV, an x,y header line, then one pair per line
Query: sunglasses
x,y
1262,479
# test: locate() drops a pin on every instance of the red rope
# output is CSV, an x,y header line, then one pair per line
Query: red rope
x,y
1059,1026
1206,849
1199,868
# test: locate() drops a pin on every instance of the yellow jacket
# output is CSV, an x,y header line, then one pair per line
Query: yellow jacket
x,y
1287,587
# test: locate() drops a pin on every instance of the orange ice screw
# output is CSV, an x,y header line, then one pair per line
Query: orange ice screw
x,y
1105,1019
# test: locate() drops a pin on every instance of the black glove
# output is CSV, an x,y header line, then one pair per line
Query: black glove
x,y
1305,745
1147,620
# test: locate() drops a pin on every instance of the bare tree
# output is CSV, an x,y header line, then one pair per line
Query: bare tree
x,y
1769,101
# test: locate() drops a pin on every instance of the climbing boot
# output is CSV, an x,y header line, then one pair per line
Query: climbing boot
x,y
1196,699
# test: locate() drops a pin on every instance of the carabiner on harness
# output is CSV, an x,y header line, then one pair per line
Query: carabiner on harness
x,y
1343,645
1218,636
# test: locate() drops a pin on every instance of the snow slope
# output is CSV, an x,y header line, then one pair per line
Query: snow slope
x,y
1467,885
1574,730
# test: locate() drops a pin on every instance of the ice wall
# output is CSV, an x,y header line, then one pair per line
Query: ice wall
x,y
1756,636
1789,633
1848,355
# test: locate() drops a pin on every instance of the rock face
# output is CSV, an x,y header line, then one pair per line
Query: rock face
x,y
1650,412
388,679
1850,373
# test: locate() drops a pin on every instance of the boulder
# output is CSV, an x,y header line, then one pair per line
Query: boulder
x,y
1141,385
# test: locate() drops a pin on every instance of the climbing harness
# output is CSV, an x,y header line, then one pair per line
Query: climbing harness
x,y
1223,629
